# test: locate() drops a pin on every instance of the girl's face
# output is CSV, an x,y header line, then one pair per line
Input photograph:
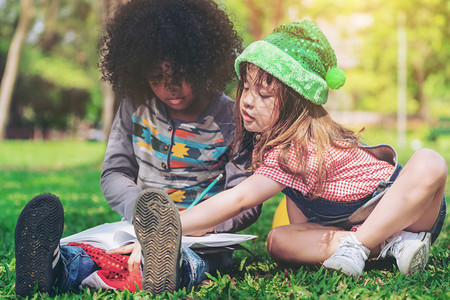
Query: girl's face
x,y
258,103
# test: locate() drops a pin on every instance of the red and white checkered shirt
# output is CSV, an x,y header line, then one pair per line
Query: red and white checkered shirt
x,y
352,174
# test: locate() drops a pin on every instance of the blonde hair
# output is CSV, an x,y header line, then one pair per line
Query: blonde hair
x,y
299,124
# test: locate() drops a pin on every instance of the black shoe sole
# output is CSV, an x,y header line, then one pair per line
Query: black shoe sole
x,y
158,230
37,234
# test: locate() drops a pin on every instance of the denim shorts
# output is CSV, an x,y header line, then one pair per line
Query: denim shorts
x,y
348,214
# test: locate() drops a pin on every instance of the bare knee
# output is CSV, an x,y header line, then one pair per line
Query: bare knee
x,y
430,168
279,241
273,242
300,244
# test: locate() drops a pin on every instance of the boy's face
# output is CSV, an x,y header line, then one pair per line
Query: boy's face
x,y
258,103
172,89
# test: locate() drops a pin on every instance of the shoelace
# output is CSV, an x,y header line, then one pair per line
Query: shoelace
x,y
390,246
346,249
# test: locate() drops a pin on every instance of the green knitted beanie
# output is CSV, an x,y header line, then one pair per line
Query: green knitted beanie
x,y
298,54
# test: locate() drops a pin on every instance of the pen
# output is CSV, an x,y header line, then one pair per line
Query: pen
x,y
205,191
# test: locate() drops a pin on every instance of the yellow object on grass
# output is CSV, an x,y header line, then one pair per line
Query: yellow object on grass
x,y
281,217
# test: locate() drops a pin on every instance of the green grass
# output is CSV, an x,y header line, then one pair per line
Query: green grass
x,y
72,169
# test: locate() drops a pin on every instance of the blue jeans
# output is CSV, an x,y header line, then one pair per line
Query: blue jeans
x,y
196,265
78,265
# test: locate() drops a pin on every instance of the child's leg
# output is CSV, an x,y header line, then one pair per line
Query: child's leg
x,y
195,266
307,243
287,243
77,266
412,203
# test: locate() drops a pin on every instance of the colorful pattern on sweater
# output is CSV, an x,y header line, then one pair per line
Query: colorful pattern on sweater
x,y
185,157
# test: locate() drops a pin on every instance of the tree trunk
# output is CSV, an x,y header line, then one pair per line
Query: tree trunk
x,y
422,111
12,62
278,12
49,37
107,91
255,20
256,16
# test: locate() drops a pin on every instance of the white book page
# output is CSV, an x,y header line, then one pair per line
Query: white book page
x,y
216,240
117,234
105,236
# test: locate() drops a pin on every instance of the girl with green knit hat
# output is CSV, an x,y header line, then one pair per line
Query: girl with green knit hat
x,y
346,201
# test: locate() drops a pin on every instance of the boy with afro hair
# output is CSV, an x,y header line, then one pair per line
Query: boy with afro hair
x,y
170,61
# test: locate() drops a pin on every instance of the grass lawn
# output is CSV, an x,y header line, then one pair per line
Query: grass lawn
x,y
71,170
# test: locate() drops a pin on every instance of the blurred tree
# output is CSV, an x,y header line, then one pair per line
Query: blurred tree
x,y
27,14
258,12
58,63
429,48
49,36
428,51
36,111
254,19
108,9
60,58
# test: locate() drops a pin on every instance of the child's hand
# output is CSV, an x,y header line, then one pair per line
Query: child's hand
x,y
134,261
203,232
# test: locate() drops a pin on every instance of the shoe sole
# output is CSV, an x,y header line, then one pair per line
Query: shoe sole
x,y
158,230
414,258
426,238
340,265
37,234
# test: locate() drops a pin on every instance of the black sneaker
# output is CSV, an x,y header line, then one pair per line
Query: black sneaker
x,y
158,230
38,231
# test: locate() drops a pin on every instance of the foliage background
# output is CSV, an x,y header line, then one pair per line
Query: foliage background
x,y
58,83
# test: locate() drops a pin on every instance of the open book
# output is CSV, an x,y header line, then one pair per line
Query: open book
x,y
118,234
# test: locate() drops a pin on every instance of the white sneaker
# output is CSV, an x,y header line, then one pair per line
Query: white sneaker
x,y
350,256
410,250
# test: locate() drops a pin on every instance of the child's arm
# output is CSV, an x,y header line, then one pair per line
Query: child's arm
x,y
253,191
120,168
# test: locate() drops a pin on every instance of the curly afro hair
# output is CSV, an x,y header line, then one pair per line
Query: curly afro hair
x,y
195,36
